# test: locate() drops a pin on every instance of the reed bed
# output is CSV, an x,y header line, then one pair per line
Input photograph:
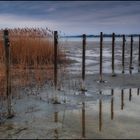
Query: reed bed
x,y
32,57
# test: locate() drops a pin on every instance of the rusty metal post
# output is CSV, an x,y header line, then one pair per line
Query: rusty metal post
x,y
139,56
113,51
131,54
7,72
112,104
122,99
123,53
83,120
83,61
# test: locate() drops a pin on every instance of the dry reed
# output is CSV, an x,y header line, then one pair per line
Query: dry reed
x,y
32,56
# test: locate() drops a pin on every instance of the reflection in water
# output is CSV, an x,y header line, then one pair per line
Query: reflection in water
x,y
112,104
84,130
122,99
100,113
130,94
56,120
138,91
83,120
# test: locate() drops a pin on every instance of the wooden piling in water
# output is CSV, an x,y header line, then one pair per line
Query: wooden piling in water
x,y
139,56
7,72
55,58
113,51
131,54
123,53
83,61
101,56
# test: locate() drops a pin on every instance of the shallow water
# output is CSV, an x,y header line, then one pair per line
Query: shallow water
x,y
105,110
116,117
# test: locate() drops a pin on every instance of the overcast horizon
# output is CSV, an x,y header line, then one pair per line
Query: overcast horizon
x,y
73,17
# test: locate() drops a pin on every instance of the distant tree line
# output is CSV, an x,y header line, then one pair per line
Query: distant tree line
x,y
105,35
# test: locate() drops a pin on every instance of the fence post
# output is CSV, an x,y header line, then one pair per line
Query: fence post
x,y
83,61
101,56
7,72
139,56
123,53
113,45
55,62
131,54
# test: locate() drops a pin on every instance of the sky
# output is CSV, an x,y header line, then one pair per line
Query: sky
x,y
73,17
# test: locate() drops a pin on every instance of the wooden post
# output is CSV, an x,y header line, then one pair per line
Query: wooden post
x,y
55,58
83,61
131,53
101,56
122,99
113,50
112,104
55,64
7,73
123,53
83,120
139,56
100,114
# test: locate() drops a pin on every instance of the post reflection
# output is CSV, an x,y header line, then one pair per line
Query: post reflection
x,y
83,120
112,104
122,99
56,120
130,94
100,113
138,91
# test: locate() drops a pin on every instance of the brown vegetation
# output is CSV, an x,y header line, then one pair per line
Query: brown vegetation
x,y
32,56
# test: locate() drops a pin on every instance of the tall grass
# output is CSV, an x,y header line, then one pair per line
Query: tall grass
x,y
32,56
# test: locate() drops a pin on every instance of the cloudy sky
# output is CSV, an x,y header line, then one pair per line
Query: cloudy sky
x,y
73,17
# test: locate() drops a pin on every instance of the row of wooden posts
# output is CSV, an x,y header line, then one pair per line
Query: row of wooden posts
x,y
101,57
7,60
